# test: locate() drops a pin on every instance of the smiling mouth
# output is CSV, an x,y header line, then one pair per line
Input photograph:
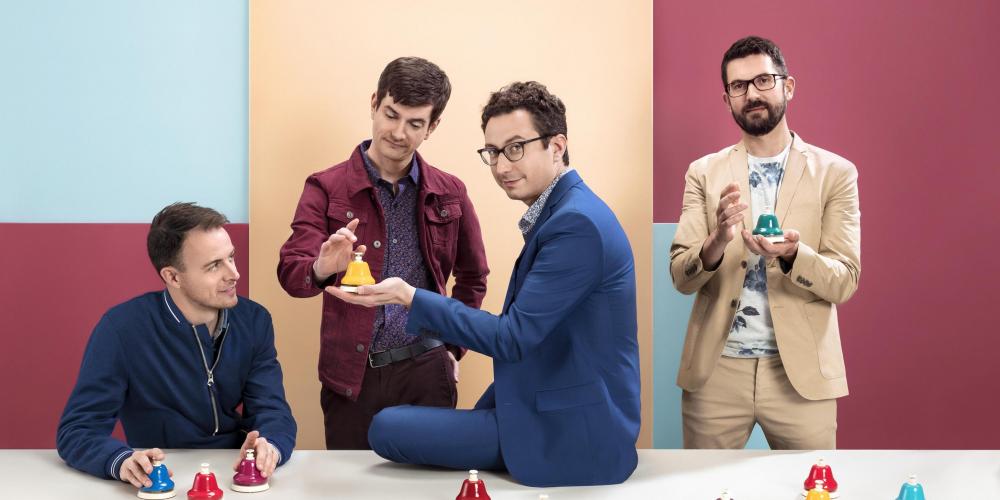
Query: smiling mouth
x,y
758,108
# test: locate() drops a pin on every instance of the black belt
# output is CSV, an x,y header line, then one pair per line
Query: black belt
x,y
383,358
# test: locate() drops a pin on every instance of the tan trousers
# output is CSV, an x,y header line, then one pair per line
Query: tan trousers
x,y
742,392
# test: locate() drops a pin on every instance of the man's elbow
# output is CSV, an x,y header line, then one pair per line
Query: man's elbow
x,y
684,285
848,288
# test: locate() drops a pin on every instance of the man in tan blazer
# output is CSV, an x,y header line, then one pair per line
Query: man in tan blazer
x,y
763,345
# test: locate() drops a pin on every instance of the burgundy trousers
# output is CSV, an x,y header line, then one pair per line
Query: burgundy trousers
x,y
424,380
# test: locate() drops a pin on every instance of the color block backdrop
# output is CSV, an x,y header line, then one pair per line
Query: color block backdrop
x,y
907,91
113,109
314,66
110,111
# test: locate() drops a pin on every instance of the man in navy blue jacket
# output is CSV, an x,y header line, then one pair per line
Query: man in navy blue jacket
x,y
564,405
175,366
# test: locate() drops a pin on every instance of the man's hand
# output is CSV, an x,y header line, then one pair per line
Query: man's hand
x,y
265,454
136,468
454,365
389,291
728,214
786,250
336,252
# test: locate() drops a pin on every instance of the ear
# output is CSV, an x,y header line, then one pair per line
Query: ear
x,y
725,99
789,87
431,128
374,104
171,276
558,146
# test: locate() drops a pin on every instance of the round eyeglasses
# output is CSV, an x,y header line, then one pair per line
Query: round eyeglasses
x,y
762,82
513,151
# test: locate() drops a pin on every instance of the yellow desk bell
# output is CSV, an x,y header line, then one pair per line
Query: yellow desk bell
x,y
818,492
357,274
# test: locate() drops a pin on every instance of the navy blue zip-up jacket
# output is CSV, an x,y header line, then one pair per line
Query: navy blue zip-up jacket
x,y
143,365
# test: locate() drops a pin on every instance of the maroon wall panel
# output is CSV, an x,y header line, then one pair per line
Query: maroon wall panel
x,y
57,281
909,91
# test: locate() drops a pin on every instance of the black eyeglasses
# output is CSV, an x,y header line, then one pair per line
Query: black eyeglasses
x,y
763,81
513,151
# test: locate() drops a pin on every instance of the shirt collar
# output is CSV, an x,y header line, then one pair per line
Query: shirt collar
x,y
413,175
531,216
778,158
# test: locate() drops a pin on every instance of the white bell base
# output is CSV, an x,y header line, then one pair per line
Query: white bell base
x,y
777,239
157,496
250,489
349,288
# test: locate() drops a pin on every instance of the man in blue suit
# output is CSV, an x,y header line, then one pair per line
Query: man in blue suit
x,y
564,406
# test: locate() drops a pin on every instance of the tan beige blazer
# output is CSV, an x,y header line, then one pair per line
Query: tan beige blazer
x,y
818,197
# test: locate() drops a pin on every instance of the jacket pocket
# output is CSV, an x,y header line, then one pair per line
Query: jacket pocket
x,y
822,319
695,325
442,220
338,214
569,397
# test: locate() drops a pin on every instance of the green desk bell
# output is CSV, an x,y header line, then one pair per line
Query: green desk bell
x,y
767,226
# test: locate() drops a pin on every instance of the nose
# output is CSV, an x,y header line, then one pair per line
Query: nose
x,y
231,273
503,164
398,133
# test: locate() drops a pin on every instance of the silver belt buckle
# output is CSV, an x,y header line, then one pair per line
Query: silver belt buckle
x,y
371,361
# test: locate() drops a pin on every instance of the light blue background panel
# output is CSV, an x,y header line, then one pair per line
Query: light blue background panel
x,y
671,310
113,109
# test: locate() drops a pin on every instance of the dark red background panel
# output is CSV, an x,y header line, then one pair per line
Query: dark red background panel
x,y
57,281
909,91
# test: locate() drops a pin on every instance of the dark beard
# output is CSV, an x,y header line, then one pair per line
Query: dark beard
x,y
764,126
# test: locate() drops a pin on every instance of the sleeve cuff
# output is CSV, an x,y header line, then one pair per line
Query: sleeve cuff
x,y
115,462
803,262
785,266
278,451
311,278
413,318
416,320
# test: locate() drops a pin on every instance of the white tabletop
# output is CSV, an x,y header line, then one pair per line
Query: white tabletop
x,y
662,474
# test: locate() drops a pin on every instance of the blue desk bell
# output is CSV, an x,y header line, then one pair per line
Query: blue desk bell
x,y
162,487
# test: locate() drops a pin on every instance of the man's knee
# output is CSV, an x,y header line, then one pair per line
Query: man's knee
x,y
385,430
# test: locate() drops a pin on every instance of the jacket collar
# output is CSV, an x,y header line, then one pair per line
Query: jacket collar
x,y
795,166
176,314
357,179
568,180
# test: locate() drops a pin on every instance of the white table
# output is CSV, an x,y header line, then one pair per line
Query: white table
x,y
662,474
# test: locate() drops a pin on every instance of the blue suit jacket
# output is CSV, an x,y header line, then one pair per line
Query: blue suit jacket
x,y
565,354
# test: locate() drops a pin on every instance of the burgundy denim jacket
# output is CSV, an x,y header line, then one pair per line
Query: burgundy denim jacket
x,y
450,241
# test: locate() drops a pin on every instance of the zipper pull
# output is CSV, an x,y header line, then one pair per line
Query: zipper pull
x,y
211,380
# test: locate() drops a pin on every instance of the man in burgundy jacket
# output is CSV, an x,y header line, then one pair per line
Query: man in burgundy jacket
x,y
412,221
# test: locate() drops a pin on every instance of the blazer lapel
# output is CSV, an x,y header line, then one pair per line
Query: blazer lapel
x,y
510,287
739,169
794,168
568,180
516,277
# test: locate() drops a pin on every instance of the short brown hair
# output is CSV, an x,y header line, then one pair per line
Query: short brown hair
x,y
749,46
170,227
548,113
414,81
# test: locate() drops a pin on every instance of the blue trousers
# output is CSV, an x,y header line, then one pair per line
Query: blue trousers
x,y
442,437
